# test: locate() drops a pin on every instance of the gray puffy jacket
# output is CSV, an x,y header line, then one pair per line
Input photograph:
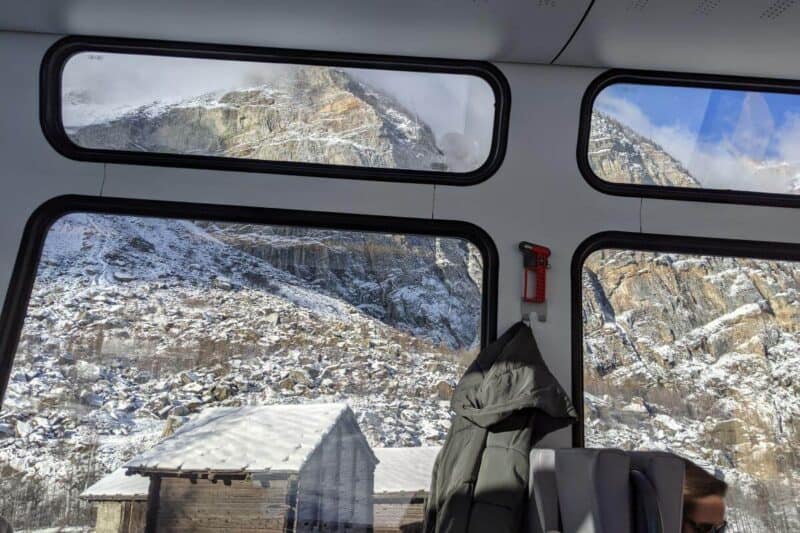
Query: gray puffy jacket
x,y
506,401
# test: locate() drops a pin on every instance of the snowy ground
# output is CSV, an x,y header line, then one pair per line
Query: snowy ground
x,y
134,326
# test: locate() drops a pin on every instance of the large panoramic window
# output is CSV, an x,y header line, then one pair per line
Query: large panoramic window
x,y
663,138
279,113
167,365
699,355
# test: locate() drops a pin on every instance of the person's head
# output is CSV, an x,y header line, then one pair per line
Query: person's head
x,y
703,501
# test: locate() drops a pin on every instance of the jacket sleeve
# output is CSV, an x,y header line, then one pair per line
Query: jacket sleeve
x,y
429,524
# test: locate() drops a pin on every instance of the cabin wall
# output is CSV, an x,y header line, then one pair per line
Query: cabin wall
x,y
121,517
363,483
335,485
136,517
399,513
109,517
216,507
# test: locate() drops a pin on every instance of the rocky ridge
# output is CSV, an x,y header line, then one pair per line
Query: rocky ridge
x,y
620,155
311,115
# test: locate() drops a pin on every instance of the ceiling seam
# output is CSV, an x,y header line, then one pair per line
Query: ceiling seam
x,y
574,32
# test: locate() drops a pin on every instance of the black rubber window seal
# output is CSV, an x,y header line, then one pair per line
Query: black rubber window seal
x,y
56,57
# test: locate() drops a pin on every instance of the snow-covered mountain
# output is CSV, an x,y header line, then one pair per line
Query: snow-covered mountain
x,y
312,115
696,354
620,155
136,323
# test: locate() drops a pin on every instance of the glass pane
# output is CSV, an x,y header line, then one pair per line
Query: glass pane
x,y
272,364
698,355
278,112
696,138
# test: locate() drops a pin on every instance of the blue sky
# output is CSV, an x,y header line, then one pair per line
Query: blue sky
x,y
719,135
713,115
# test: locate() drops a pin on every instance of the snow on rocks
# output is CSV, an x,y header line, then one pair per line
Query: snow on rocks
x,y
701,359
106,367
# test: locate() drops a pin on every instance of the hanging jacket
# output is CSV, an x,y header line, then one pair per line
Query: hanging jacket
x,y
506,401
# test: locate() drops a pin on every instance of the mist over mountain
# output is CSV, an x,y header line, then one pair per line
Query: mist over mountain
x,y
315,115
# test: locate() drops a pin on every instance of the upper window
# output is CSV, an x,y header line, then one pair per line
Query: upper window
x,y
291,371
698,354
271,111
653,135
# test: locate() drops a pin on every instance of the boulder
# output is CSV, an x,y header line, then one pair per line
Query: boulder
x,y
87,397
444,390
179,410
6,430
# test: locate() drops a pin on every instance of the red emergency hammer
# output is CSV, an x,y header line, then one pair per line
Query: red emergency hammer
x,y
535,260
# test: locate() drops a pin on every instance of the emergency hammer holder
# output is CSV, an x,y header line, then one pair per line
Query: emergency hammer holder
x,y
535,262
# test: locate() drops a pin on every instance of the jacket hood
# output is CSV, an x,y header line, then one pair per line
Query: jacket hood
x,y
510,375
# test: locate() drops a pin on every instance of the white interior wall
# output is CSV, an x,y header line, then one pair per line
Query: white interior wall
x,y
537,195
507,30
30,170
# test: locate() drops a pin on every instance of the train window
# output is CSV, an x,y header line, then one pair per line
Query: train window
x,y
696,352
701,139
267,365
276,111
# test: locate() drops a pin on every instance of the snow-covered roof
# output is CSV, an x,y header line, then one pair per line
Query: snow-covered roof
x,y
274,438
404,469
118,486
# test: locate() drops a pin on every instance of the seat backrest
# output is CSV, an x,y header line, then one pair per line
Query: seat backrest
x,y
543,513
665,471
579,490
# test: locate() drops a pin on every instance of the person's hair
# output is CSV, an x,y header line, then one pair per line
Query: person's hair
x,y
698,483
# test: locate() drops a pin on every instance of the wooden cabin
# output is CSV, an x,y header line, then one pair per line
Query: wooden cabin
x,y
261,468
402,486
121,502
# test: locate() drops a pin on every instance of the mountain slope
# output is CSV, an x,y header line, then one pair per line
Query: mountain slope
x,y
378,273
620,155
136,323
312,115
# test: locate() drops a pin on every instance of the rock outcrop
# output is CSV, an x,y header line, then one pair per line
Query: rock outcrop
x,y
620,155
378,273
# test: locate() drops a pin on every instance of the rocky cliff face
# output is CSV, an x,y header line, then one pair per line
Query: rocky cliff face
x,y
696,354
379,273
620,155
311,115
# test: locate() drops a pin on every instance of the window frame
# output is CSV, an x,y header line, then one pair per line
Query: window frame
x,y
57,55
674,79
23,275
648,242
